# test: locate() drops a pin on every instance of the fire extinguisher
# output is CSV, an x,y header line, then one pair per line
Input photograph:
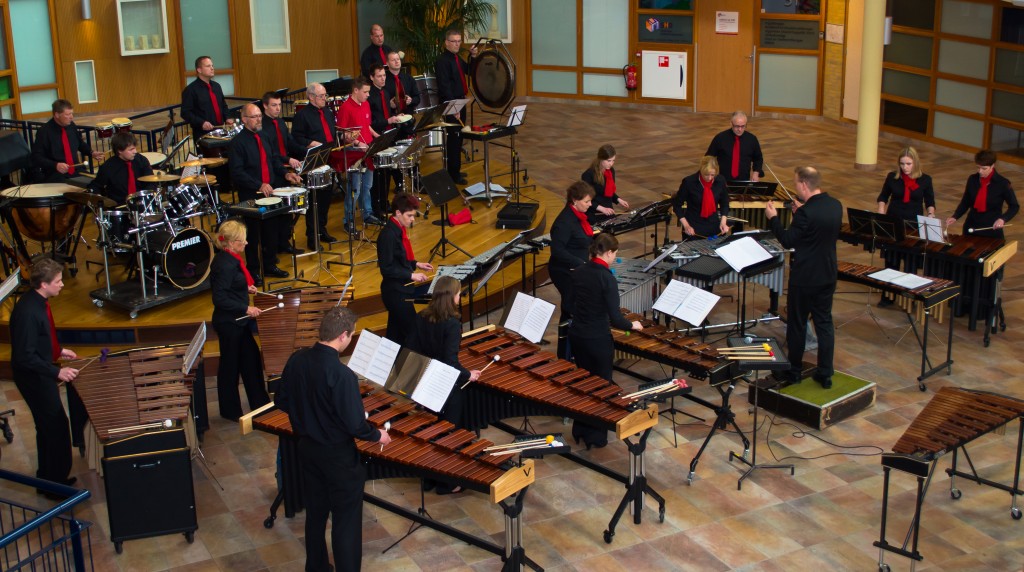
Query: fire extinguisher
x,y
629,73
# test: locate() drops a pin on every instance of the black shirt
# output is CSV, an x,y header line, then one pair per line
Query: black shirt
x,y
750,154
321,397
245,165
569,244
1000,191
438,341
291,147
691,192
813,235
409,87
31,349
48,149
371,57
229,290
112,177
197,108
599,199
395,270
307,126
921,197
596,306
378,102
449,80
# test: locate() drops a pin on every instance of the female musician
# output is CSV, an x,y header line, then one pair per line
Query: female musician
x,y
601,176
231,284
436,333
707,202
983,199
570,238
596,311
906,193
398,267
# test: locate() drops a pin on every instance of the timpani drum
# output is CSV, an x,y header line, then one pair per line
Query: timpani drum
x,y
40,212
427,85
184,257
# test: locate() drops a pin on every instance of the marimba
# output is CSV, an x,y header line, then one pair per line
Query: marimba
x,y
953,418
297,325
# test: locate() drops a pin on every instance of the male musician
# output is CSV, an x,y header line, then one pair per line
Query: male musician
x,y
383,117
738,151
404,94
813,271
55,150
34,352
376,53
118,177
453,83
256,169
313,125
202,101
321,397
355,116
983,199
277,128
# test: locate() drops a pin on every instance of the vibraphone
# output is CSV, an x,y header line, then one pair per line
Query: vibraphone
x,y
973,262
422,446
295,326
132,389
928,299
529,381
637,289
953,418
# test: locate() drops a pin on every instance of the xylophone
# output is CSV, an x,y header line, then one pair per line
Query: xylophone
x,y
296,325
529,381
953,418
751,209
422,446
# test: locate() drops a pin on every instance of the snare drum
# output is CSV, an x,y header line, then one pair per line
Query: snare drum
x,y
184,200
184,257
387,159
294,197
104,130
320,178
122,124
146,205
117,224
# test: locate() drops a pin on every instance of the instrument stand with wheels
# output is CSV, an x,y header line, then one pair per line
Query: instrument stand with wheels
x,y
724,417
872,226
442,189
779,364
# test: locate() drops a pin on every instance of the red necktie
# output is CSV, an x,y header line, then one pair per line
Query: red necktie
x,y
405,240
736,158
384,105
216,108
68,157
54,345
909,186
264,168
462,75
383,58
707,203
981,201
327,130
280,140
400,98
131,178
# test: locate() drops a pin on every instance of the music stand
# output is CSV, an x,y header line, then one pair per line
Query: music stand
x,y
441,189
757,188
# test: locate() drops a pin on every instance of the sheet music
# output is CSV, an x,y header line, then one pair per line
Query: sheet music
x,y
887,275
743,253
374,357
911,281
930,229
686,302
529,316
515,117
435,385
10,284
195,347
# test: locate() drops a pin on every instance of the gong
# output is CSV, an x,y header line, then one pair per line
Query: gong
x,y
494,76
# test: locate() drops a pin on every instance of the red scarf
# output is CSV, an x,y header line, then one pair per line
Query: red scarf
x,y
213,101
68,157
582,217
400,91
600,262
328,136
54,344
131,178
707,203
609,183
736,158
264,168
405,240
248,277
909,185
981,201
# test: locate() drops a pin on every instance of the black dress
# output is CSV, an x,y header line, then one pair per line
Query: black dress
x,y
599,199
395,272
1000,191
440,341
691,192
570,247
920,198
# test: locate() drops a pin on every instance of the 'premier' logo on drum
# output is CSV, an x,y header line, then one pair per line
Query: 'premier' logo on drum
x,y
186,243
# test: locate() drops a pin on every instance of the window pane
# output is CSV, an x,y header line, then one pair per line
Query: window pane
x,y
790,7
906,84
323,76
85,80
1009,67
4,63
269,26
664,29
790,34
787,81
605,33
914,13
30,26
206,32
958,129
1007,140
554,33
599,84
967,18
904,116
961,58
964,96
666,5
142,26
909,50
1013,26
370,12
6,88
1006,105
37,101
554,82
227,85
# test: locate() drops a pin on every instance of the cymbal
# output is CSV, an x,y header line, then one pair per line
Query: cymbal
x,y
205,162
200,179
84,198
159,177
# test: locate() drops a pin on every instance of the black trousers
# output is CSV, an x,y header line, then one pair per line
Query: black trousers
x,y
239,354
453,151
79,416
816,302
261,234
333,486
594,355
323,204
53,437
401,312
563,283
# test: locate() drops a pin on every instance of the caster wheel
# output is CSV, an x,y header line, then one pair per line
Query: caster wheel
x,y
133,314
955,494
1002,327
74,272
1015,513
987,342
608,536
98,303
269,522
689,478
118,547
661,514
921,387
190,537
883,568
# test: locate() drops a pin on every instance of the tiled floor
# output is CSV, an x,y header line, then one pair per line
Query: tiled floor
x,y
825,517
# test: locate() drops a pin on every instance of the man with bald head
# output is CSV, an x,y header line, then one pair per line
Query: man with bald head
x,y
313,125
376,53
738,151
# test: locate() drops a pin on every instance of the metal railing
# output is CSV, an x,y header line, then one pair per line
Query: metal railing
x,y
38,539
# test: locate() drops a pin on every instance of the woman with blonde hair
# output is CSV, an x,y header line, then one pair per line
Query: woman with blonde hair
x,y
707,202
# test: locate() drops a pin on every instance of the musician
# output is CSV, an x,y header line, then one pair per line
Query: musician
x,y
983,199
202,101
403,91
453,83
382,118
117,178
57,145
276,127
256,170
813,271
601,176
376,54
321,396
707,202
34,353
906,193
596,311
738,151
355,113
398,267
313,126
230,284
571,235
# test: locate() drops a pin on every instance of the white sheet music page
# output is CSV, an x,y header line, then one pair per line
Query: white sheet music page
x,y
911,281
686,302
373,357
886,275
672,297
743,253
930,229
537,320
359,361
435,385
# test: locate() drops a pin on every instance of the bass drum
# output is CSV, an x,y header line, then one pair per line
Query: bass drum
x,y
494,78
184,257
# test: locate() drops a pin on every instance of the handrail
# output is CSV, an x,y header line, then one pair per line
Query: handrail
x,y
74,495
